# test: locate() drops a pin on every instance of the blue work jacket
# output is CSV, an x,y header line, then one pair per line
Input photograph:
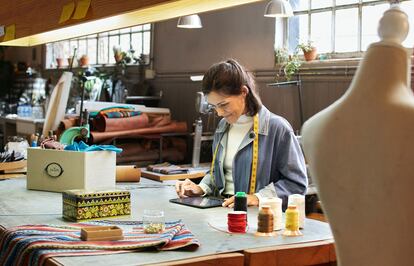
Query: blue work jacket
x,y
281,169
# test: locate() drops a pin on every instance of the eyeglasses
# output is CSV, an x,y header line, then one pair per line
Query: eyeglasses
x,y
222,106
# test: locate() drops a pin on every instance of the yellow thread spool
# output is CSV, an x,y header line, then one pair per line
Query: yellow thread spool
x,y
292,222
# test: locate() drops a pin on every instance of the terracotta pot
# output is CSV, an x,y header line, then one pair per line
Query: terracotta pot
x,y
84,61
118,57
311,55
59,62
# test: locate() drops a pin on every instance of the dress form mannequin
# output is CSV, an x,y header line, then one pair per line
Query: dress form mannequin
x,y
360,152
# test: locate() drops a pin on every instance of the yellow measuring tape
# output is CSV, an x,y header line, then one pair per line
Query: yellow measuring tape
x,y
255,157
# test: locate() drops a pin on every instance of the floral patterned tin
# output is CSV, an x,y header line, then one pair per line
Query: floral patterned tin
x,y
81,205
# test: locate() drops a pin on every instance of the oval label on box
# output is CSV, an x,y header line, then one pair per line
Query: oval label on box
x,y
54,170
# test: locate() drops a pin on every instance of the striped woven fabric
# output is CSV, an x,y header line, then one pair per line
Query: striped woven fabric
x,y
118,112
122,114
33,244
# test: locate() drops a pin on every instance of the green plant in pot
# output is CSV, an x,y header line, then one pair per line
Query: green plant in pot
x,y
308,49
281,55
291,67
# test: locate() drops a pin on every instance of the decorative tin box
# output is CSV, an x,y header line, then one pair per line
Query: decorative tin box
x,y
80,205
54,170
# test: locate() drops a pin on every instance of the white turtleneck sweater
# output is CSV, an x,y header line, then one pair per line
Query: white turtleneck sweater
x,y
236,134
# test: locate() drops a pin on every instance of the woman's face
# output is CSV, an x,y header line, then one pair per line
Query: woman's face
x,y
230,107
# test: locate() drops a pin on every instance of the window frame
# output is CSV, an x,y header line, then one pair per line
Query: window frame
x,y
286,42
145,28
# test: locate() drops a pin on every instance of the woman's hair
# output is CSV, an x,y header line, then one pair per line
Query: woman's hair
x,y
227,78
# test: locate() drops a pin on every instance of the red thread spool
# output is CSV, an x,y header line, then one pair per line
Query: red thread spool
x,y
237,221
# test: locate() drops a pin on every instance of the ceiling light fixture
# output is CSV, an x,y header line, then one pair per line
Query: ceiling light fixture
x,y
189,22
278,9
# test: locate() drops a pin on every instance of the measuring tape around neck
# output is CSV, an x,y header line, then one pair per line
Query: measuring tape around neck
x,y
255,158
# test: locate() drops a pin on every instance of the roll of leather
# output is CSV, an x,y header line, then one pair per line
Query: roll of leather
x,y
68,123
159,120
173,127
105,124
127,173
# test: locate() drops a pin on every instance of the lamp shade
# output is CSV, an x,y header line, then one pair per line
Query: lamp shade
x,y
278,8
189,22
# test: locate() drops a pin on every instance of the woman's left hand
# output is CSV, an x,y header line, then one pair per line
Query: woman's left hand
x,y
252,200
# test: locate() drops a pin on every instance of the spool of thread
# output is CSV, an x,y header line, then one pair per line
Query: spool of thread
x,y
237,221
276,207
240,202
292,222
265,220
299,201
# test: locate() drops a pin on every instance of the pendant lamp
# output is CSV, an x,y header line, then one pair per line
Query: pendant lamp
x,y
189,22
278,8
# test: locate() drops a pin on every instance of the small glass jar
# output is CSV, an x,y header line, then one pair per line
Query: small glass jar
x,y
153,221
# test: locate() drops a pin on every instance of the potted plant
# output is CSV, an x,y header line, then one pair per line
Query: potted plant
x,y
84,60
59,62
281,55
291,67
308,49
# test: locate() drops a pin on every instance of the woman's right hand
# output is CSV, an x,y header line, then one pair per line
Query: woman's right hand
x,y
188,188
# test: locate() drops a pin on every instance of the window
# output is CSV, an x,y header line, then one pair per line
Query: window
x,y
337,27
99,47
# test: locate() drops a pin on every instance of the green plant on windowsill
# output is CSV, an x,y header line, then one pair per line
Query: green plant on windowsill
x,y
305,46
308,49
290,67
281,55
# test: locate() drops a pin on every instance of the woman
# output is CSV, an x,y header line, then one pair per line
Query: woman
x,y
248,128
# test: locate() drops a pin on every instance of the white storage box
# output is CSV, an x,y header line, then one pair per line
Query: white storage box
x,y
54,170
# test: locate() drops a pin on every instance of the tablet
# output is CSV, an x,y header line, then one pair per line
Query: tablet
x,y
199,202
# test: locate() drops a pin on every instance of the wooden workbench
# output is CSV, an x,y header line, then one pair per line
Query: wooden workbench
x,y
19,206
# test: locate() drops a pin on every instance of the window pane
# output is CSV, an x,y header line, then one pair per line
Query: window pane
x,y
66,52
299,5
125,42
82,48
146,42
92,51
368,0
321,3
126,30
136,28
346,39
49,55
345,2
113,41
370,18
321,31
408,7
303,27
137,43
147,26
103,50
298,31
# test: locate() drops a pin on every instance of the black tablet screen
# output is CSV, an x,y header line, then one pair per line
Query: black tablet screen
x,y
199,202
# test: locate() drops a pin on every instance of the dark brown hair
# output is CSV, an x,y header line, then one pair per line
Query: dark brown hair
x,y
228,78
